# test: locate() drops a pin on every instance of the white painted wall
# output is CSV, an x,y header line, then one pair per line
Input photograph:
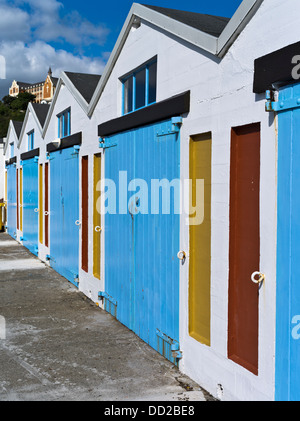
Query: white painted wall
x,y
221,98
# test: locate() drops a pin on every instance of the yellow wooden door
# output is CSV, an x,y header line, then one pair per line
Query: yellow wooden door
x,y
200,241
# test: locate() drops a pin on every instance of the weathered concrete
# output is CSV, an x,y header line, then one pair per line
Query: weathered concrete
x,y
61,346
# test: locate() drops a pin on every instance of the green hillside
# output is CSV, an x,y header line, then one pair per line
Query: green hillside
x,y
13,108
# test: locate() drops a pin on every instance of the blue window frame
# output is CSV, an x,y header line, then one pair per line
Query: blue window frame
x,y
30,140
139,87
64,123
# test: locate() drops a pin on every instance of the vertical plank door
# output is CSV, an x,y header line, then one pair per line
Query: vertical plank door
x,y
244,246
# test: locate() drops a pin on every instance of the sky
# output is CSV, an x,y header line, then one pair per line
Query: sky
x,y
71,35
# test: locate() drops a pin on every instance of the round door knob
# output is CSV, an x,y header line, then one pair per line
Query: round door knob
x,y
181,255
36,210
78,223
46,213
98,229
257,277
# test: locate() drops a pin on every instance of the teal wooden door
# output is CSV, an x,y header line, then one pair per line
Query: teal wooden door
x,y
30,205
142,235
288,247
12,200
64,213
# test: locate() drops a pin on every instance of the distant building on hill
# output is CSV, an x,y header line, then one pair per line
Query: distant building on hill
x,y
43,91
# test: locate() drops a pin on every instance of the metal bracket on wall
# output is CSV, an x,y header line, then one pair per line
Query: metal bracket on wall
x,y
277,106
36,159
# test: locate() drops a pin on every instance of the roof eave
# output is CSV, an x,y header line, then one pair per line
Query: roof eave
x,y
37,121
237,23
216,46
64,80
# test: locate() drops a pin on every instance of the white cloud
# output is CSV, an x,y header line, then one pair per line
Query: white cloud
x,y
14,24
30,63
47,20
26,29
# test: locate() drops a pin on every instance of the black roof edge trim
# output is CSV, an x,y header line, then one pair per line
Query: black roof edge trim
x,y
30,154
66,142
275,68
171,107
11,161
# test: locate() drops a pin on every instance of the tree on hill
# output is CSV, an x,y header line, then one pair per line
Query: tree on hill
x,y
13,108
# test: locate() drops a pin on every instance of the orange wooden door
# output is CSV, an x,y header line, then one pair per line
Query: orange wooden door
x,y
244,246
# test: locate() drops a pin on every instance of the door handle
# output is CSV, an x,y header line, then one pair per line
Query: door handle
x,y
46,213
98,229
36,210
261,277
78,223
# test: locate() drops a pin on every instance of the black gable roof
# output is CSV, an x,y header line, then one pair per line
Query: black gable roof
x,y
41,111
18,127
212,25
84,83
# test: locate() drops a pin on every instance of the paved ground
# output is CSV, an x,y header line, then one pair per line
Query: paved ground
x,y
61,346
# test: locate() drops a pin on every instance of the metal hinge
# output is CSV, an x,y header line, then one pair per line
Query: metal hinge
x,y
283,105
103,294
75,276
175,348
176,125
36,159
110,304
106,143
49,157
48,258
76,149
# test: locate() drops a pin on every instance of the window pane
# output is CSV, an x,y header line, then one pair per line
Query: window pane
x,y
60,120
140,89
128,95
66,124
152,82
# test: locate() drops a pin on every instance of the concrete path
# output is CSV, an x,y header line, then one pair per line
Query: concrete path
x,y
55,344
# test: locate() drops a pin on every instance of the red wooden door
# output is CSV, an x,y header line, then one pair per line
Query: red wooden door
x,y
46,204
18,204
244,246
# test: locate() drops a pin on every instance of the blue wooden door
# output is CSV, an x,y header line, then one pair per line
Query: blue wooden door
x,y
142,269
30,205
64,213
288,247
12,200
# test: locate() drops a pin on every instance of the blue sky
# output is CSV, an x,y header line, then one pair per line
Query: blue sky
x,y
113,14
71,34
